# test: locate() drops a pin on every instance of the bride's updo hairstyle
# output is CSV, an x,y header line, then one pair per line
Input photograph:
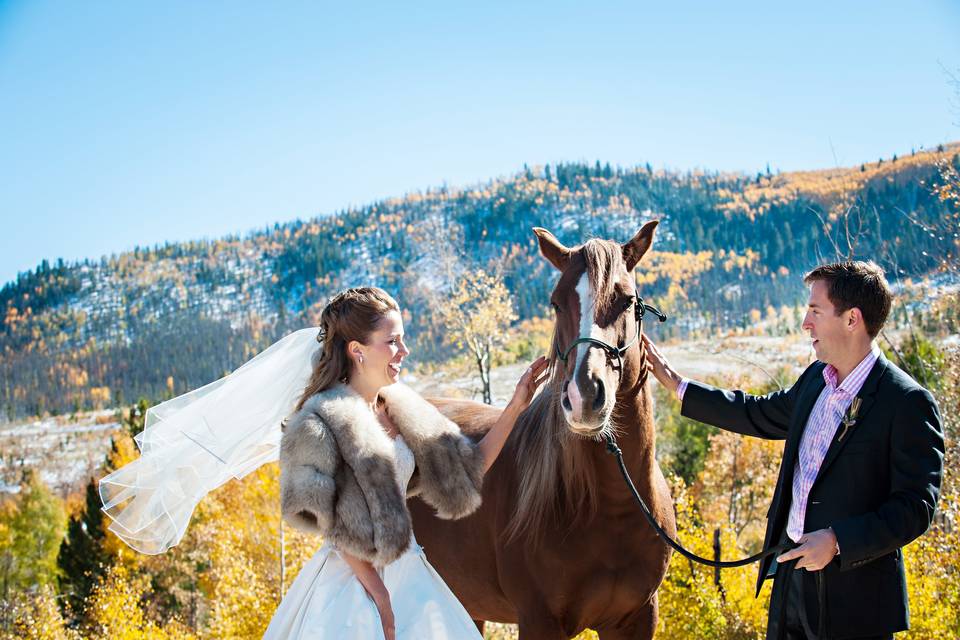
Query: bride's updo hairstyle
x,y
351,315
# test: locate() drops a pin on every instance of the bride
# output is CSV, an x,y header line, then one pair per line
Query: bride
x,y
357,444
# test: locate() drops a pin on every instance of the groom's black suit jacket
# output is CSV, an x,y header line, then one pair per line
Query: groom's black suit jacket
x,y
877,487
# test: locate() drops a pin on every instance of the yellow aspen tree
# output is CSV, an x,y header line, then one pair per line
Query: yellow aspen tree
x,y
37,617
114,611
477,316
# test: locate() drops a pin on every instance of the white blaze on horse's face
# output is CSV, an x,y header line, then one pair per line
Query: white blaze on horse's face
x,y
575,414
583,415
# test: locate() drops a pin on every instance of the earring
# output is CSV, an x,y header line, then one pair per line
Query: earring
x,y
361,359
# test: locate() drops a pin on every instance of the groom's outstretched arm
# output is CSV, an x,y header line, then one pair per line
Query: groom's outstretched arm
x,y
760,416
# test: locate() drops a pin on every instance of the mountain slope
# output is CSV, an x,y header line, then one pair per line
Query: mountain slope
x,y
158,321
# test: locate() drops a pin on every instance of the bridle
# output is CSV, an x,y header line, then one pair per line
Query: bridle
x,y
640,310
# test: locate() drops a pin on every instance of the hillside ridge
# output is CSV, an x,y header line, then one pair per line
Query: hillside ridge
x,y
163,319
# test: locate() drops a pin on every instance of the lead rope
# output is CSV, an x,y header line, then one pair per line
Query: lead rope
x,y
821,604
613,449
727,564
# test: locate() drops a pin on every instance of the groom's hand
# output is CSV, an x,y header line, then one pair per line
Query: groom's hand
x,y
659,367
815,550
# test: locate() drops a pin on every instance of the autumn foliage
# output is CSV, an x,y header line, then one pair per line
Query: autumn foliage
x,y
227,575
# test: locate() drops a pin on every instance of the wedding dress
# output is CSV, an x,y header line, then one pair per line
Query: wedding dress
x,y
326,600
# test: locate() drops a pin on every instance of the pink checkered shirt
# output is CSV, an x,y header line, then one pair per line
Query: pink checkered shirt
x,y
821,427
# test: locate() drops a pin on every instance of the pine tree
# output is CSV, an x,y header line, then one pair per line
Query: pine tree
x,y
82,559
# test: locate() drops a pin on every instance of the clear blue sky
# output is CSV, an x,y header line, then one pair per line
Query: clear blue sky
x,y
125,123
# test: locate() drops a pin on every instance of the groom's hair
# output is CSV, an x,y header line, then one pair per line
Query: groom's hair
x,y
859,284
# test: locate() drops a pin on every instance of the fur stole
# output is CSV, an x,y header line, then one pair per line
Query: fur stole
x,y
338,473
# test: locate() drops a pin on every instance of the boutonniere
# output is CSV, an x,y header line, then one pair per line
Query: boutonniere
x,y
850,417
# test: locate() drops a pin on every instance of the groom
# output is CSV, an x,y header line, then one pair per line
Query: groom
x,y
861,467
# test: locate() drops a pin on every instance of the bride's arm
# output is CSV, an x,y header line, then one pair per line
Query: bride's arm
x,y
492,443
373,584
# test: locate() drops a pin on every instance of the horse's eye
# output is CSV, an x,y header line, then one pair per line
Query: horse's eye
x,y
555,306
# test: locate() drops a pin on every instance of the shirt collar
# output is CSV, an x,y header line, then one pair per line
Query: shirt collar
x,y
852,383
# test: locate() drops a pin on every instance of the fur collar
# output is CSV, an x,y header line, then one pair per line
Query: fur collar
x,y
339,474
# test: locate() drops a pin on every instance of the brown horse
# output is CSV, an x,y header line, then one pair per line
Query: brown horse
x,y
559,544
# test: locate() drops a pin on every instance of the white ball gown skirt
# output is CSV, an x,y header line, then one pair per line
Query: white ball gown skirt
x,y
327,601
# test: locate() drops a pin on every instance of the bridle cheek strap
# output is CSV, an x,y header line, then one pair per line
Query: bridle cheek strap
x,y
640,309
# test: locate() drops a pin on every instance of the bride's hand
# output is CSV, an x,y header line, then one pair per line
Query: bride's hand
x,y
530,381
372,583
492,443
386,616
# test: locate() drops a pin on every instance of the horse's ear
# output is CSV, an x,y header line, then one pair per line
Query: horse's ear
x,y
639,244
552,249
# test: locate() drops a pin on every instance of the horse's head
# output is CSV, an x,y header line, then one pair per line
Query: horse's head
x,y
595,304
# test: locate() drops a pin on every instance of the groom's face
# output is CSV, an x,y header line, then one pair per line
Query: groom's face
x,y
829,330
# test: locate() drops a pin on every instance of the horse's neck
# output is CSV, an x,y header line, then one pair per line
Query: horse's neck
x,y
633,416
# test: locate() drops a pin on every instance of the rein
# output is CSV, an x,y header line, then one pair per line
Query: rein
x,y
612,448
727,564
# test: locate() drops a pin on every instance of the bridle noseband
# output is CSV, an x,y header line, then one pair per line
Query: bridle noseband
x,y
640,310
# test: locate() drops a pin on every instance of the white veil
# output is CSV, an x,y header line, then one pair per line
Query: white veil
x,y
196,442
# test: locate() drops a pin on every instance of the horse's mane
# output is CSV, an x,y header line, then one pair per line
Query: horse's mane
x,y
555,474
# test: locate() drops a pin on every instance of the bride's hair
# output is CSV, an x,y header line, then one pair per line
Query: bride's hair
x,y
350,315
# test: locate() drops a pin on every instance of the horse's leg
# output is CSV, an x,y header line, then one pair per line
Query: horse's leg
x,y
480,624
641,628
649,616
540,628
